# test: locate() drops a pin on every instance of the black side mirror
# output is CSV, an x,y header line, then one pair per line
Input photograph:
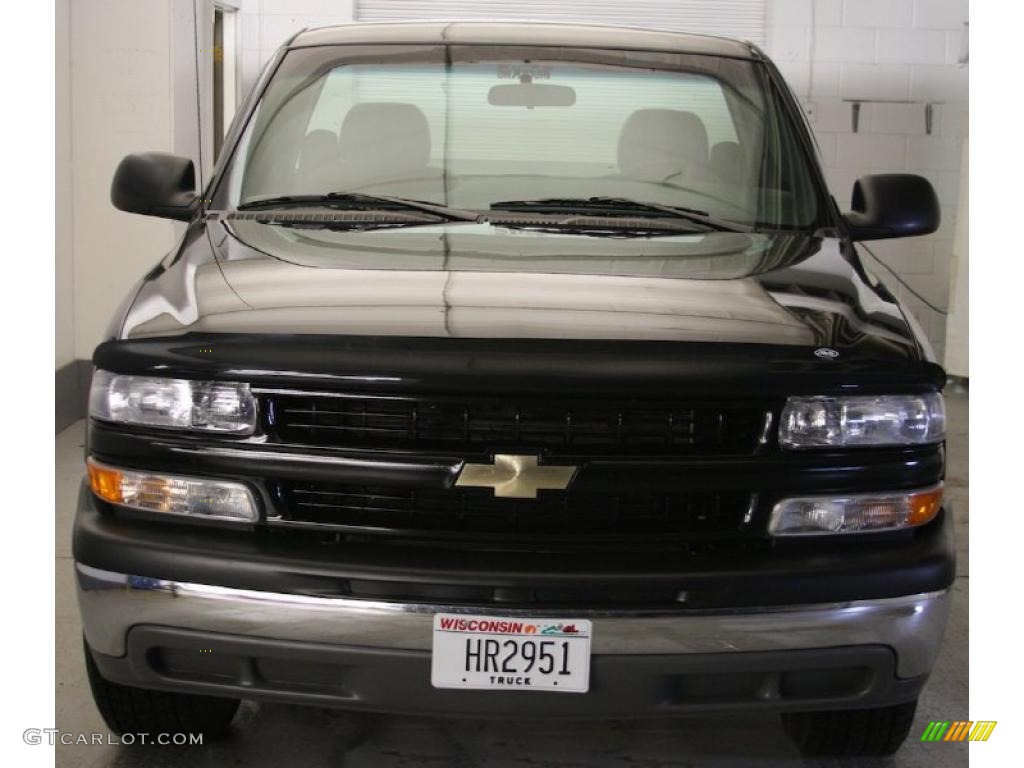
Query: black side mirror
x,y
155,184
892,205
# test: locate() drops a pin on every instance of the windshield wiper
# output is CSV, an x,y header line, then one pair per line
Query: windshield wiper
x,y
357,201
334,219
594,226
622,206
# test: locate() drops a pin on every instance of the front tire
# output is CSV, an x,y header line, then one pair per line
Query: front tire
x,y
126,709
852,732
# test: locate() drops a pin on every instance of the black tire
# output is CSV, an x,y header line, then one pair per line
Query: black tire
x,y
126,709
851,732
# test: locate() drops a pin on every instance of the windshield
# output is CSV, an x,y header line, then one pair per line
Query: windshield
x,y
476,127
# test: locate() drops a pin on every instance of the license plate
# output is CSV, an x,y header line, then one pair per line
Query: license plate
x,y
498,653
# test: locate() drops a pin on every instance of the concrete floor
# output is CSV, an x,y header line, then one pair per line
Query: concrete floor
x,y
272,735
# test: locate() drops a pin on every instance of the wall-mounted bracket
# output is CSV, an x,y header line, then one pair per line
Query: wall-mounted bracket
x,y
929,110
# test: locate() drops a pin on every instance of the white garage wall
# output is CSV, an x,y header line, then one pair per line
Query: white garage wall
x,y
957,325
118,50
65,341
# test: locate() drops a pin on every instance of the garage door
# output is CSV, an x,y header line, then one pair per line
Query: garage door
x,y
744,19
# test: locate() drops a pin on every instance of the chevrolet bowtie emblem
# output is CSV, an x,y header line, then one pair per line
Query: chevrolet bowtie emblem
x,y
515,477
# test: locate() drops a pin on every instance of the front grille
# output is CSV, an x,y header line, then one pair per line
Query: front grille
x,y
584,428
562,517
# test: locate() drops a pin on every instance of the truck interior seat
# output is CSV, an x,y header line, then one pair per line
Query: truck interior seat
x,y
656,144
382,141
727,162
317,169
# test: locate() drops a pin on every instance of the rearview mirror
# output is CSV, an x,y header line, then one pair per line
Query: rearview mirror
x,y
529,94
892,205
155,184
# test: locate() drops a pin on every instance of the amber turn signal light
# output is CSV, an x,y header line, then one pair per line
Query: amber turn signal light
x,y
105,482
924,506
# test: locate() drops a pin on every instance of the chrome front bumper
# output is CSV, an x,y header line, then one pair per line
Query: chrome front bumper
x,y
112,603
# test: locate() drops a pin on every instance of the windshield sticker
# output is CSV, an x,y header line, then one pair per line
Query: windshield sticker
x,y
519,71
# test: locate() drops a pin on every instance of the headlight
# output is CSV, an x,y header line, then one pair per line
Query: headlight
x,y
208,406
833,422
861,513
172,494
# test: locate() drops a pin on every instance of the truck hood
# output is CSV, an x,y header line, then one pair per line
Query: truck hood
x,y
478,281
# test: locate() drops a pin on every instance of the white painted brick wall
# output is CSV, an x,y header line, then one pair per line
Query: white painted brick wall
x,y
827,13
910,46
878,13
939,14
265,24
849,45
940,82
895,50
825,79
882,81
877,150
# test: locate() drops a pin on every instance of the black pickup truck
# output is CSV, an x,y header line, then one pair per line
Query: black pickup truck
x,y
516,370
